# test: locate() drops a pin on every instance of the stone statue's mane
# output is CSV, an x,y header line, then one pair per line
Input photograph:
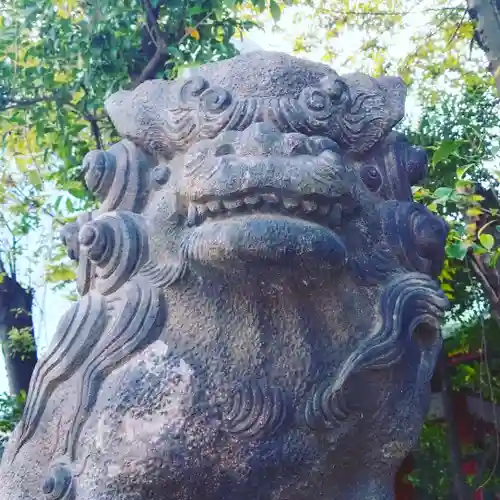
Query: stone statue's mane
x,y
197,110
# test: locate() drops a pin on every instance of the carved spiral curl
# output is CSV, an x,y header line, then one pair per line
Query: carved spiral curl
x,y
409,301
257,411
215,100
318,110
160,175
317,103
99,169
117,245
59,483
326,407
335,88
118,176
192,88
70,239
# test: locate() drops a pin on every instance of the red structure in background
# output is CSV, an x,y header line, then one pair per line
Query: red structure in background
x,y
471,426
403,488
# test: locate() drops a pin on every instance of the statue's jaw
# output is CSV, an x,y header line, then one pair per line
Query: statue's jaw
x,y
267,238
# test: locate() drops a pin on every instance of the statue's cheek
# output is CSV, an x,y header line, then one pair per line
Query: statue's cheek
x,y
142,407
395,401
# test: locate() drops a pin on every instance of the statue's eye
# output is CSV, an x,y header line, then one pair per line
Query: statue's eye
x,y
372,178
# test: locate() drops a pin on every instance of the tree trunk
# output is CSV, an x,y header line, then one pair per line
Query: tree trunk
x,y
486,14
460,489
16,315
481,265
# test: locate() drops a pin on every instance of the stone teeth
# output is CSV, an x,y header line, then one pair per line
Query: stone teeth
x,y
251,200
309,206
270,198
214,206
202,210
197,213
290,203
232,204
324,209
191,217
336,214
330,156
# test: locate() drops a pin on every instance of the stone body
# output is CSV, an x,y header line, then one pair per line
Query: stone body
x,y
258,314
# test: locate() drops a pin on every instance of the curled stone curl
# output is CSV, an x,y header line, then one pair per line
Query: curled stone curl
x,y
59,483
119,177
353,111
409,300
117,245
257,411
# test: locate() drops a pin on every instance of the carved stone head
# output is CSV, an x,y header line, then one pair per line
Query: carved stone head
x,y
258,314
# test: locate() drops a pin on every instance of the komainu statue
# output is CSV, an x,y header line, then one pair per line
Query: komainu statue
x,y
258,313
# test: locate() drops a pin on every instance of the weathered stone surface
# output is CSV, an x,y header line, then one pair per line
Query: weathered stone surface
x,y
258,316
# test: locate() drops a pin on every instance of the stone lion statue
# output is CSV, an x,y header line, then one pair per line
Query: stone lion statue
x,y
259,316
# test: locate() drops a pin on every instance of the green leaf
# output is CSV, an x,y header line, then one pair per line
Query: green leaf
x,y
260,4
445,149
478,250
474,211
275,11
457,251
443,192
487,241
495,257
174,51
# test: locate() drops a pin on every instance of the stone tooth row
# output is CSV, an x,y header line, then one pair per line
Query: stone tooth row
x,y
268,202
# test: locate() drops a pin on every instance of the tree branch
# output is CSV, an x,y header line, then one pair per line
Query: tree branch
x,y
158,58
152,21
397,13
152,66
96,132
92,119
26,103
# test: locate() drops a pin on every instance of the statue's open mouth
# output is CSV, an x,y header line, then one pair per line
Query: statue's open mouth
x,y
314,188
267,226
319,209
255,197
